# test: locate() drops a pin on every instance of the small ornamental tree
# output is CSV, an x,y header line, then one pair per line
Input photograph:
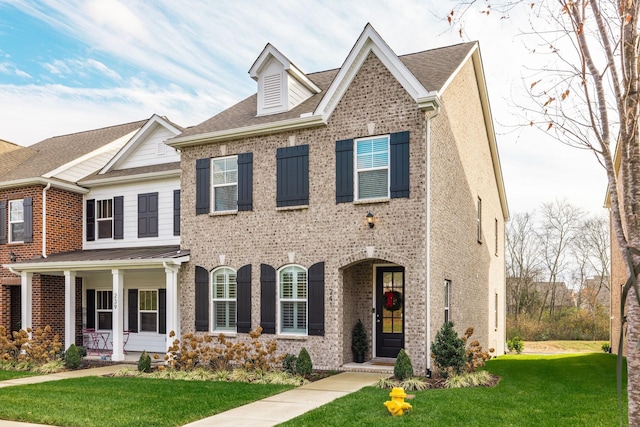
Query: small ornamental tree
x,y
448,351
72,357
403,368
144,363
304,366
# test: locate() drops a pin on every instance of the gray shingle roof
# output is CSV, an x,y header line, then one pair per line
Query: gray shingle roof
x,y
145,253
54,152
131,172
431,67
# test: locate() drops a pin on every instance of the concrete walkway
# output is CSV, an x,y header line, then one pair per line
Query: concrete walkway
x,y
262,413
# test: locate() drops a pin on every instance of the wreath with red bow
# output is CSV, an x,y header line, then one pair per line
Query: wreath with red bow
x,y
392,300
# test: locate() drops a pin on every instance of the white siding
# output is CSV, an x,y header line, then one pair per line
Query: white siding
x,y
297,92
87,167
130,192
133,279
146,153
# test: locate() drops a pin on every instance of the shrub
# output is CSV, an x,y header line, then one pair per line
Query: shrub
x,y
144,363
448,351
304,366
515,344
289,363
476,357
403,368
606,347
469,379
72,357
359,341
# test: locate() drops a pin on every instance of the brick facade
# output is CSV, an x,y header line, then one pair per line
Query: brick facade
x,y
338,235
64,233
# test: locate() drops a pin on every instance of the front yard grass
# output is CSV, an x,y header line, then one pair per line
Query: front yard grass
x,y
9,375
567,390
110,401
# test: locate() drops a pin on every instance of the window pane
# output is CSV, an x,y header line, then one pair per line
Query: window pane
x,y
226,198
105,320
16,210
373,184
148,300
17,232
224,315
148,322
104,229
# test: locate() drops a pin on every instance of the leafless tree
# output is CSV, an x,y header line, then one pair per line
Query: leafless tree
x,y
589,98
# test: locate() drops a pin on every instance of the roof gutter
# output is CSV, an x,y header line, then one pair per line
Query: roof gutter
x,y
173,173
304,121
37,267
24,182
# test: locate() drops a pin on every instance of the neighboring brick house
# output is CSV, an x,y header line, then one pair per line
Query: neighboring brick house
x,y
125,257
40,214
372,191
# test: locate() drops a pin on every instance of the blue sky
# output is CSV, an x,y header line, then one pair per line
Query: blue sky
x,y
68,66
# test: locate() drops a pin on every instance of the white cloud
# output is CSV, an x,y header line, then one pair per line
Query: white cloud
x,y
201,52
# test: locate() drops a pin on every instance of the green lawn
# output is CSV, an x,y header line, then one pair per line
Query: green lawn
x,y
109,401
9,375
559,390
567,390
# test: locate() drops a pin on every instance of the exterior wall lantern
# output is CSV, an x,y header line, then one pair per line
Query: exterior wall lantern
x,y
370,219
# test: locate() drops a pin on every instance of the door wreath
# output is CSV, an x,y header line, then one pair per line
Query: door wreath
x,y
393,300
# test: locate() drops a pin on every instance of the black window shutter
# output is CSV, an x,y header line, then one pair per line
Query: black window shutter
x,y
267,299
316,299
399,143
91,308
176,212
3,221
344,171
245,182
118,217
148,215
27,204
162,311
91,220
203,186
133,310
292,164
202,299
243,281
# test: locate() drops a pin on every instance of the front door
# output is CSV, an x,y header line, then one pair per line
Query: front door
x,y
389,311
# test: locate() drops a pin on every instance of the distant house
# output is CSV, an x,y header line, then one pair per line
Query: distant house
x,y
372,191
123,218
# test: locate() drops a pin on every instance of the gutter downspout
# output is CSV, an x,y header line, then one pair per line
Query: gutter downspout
x,y
44,219
429,115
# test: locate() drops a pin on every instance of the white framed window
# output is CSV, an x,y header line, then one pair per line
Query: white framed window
x,y
447,300
372,168
224,180
292,294
148,310
104,217
104,309
16,221
224,294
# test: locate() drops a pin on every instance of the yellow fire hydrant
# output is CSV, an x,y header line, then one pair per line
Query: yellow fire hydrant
x,y
397,405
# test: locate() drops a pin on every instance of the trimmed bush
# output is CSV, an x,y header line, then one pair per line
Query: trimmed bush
x,y
289,363
144,363
303,364
403,368
515,344
448,351
72,357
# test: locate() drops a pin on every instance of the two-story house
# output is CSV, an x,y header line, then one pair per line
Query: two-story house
x,y
372,191
40,213
126,224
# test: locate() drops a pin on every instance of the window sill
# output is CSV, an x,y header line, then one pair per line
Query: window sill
x,y
223,213
228,334
292,337
371,201
292,208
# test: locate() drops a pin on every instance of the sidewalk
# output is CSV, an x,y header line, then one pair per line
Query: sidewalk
x,y
262,413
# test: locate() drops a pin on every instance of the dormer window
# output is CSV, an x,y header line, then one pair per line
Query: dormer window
x,y
281,86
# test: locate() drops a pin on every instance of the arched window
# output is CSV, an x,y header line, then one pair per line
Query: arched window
x,y
292,294
223,291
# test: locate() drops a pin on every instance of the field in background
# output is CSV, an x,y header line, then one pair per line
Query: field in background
x,y
563,346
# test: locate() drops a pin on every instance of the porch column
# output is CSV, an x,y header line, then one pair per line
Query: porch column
x,y
26,304
69,308
117,315
171,282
